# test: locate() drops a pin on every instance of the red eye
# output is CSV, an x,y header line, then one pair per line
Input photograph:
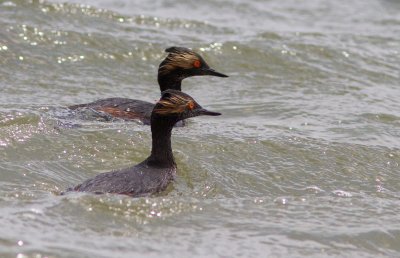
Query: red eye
x,y
196,64
190,105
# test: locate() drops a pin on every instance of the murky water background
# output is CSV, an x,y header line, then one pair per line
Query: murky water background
x,y
304,161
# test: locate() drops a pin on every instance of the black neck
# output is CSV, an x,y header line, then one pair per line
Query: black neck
x,y
161,151
170,81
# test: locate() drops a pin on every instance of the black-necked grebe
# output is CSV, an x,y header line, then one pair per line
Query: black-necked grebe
x,y
153,174
180,63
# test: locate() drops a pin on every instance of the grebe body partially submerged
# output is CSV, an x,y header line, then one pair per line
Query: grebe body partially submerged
x,y
154,173
180,63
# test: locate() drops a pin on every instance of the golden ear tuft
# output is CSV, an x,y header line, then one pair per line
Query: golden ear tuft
x,y
184,60
174,104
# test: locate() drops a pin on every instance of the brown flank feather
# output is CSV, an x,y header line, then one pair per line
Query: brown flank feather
x,y
119,113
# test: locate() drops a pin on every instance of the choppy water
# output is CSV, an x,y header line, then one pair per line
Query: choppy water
x,y
304,161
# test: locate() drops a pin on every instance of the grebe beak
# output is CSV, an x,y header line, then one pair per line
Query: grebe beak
x,y
212,72
205,112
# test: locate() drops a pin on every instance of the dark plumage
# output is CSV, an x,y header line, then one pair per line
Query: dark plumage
x,y
180,63
154,173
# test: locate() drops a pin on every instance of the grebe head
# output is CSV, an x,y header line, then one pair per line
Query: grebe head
x,y
185,63
175,106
